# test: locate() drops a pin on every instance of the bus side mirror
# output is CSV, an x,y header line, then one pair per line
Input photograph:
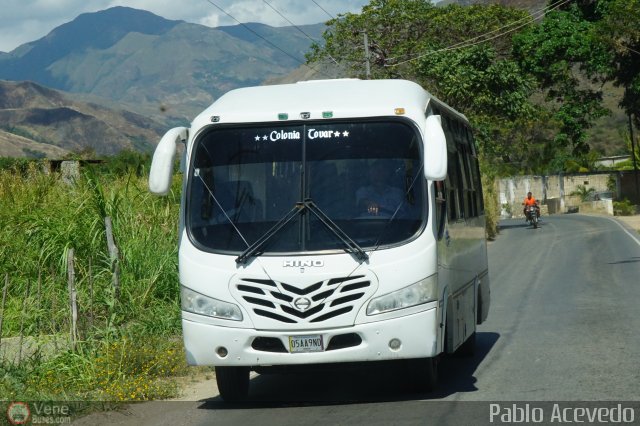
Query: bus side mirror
x,y
435,150
162,164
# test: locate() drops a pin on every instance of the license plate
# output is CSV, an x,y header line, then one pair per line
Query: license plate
x,y
310,343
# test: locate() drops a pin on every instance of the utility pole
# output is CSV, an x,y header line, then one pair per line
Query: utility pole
x,y
633,159
366,55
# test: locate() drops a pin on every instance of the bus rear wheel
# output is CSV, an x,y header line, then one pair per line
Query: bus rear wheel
x,y
233,383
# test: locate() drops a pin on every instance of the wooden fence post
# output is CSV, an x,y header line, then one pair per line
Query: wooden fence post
x,y
4,299
114,255
72,298
90,295
24,313
38,312
54,328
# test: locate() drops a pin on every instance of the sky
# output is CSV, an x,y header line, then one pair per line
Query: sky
x,y
23,21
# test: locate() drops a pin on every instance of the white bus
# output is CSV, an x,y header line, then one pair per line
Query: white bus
x,y
327,222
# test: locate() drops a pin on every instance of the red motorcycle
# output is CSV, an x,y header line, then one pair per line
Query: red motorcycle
x,y
532,215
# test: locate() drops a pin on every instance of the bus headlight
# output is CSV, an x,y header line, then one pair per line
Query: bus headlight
x,y
200,304
423,291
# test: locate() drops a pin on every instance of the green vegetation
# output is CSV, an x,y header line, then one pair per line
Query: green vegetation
x,y
126,349
531,88
623,208
583,192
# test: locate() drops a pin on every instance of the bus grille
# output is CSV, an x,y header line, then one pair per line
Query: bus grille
x,y
318,302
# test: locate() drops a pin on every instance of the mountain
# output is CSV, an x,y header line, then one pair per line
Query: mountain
x,y
36,121
168,70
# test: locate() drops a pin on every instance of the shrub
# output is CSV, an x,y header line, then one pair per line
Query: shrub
x,y
583,192
623,208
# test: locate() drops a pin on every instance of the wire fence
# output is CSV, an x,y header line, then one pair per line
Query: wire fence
x,y
44,320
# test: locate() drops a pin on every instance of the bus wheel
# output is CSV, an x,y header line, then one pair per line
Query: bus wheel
x,y
233,383
423,374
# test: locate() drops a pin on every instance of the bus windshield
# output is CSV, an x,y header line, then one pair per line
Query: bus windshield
x,y
364,176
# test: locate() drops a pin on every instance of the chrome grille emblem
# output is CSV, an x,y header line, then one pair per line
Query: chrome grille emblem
x,y
302,304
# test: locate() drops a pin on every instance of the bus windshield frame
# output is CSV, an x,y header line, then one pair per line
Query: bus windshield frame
x,y
364,175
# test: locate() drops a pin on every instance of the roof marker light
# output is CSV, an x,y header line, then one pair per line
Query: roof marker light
x,y
399,111
283,116
305,115
327,114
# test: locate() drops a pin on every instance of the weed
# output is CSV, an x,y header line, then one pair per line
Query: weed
x,y
124,353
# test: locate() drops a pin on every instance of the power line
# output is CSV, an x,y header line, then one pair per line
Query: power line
x,y
296,27
475,40
629,49
323,9
263,38
287,19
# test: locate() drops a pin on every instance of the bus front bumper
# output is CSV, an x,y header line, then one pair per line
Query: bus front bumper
x,y
410,336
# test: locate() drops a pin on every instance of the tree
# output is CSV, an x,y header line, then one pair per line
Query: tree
x,y
567,58
459,54
395,29
620,31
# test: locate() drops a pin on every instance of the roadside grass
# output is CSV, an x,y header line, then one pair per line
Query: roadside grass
x,y
128,339
124,370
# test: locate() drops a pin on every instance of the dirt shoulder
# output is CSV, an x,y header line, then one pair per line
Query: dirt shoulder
x,y
631,221
199,386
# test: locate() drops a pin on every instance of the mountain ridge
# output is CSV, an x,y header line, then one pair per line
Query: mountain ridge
x,y
168,70
39,121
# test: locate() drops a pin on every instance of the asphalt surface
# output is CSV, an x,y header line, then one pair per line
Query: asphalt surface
x,y
564,328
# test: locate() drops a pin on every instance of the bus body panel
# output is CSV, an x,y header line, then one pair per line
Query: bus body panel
x,y
218,276
417,333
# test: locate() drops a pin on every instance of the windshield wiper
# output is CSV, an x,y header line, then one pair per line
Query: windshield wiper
x,y
352,246
299,208
255,247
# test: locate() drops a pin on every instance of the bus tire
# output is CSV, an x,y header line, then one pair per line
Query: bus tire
x,y
233,383
423,374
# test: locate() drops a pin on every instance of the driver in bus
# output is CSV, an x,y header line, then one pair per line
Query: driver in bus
x,y
379,198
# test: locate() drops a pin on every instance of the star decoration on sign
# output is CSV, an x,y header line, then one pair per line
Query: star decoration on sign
x,y
345,134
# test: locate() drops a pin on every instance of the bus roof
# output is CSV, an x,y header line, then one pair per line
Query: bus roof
x,y
343,98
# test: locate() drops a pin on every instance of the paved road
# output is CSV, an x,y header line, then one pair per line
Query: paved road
x,y
564,326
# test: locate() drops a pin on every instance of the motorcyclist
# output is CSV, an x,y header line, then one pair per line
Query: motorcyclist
x,y
530,201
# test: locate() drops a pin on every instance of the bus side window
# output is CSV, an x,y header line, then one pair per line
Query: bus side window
x,y
464,183
475,172
470,186
453,186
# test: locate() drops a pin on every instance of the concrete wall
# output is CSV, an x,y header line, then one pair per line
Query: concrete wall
x,y
552,193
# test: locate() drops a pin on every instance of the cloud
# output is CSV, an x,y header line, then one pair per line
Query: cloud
x,y
23,21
